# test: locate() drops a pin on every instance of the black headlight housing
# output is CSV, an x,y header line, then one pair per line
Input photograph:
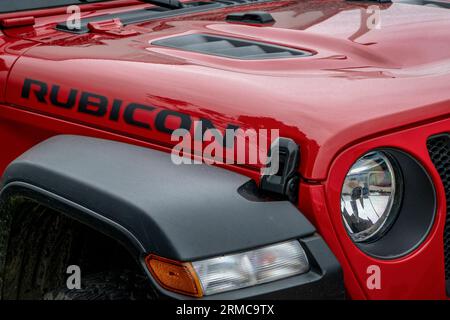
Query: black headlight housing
x,y
410,202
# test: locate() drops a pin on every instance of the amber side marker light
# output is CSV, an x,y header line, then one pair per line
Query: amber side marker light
x,y
174,275
230,272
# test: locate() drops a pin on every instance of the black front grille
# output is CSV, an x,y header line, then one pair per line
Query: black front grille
x,y
439,149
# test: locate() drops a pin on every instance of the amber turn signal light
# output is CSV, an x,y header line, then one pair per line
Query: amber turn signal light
x,y
174,276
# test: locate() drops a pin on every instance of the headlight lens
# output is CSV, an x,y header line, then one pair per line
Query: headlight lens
x,y
369,197
251,268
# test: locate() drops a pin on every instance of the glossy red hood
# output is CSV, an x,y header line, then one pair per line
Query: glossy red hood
x,y
360,82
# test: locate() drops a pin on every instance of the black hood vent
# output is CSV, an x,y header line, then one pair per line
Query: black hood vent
x,y
230,47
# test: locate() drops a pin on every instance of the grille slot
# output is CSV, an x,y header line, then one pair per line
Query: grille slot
x,y
439,150
230,47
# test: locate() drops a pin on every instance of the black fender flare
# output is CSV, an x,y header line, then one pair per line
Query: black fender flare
x,y
180,212
151,205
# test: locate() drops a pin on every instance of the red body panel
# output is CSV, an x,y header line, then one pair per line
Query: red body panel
x,y
363,88
416,276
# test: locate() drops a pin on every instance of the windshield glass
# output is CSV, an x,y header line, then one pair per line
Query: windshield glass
x,y
20,5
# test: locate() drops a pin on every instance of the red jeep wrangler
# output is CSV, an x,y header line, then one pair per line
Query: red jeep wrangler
x,y
98,190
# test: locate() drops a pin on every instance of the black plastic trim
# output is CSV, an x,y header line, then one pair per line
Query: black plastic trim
x,y
285,182
378,1
181,212
74,211
416,213
139,16
439,151
230,47
252,17
171,4
23,5
433,3
153,13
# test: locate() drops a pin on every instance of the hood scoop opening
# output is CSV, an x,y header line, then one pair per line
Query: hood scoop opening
x,y
229,47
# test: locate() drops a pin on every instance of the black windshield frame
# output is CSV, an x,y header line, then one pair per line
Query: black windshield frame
x,y
7,6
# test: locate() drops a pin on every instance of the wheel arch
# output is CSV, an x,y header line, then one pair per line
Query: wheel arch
x,y
143,200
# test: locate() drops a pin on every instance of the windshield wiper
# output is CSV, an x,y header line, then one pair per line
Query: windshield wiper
x,y
171,8
169,4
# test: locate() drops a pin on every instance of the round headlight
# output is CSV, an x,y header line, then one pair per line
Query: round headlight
x,y
370,197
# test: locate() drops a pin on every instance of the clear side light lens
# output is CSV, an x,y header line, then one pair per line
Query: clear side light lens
x,y
251,268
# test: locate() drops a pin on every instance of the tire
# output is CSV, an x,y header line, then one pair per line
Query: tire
x,y
43,243
105,286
